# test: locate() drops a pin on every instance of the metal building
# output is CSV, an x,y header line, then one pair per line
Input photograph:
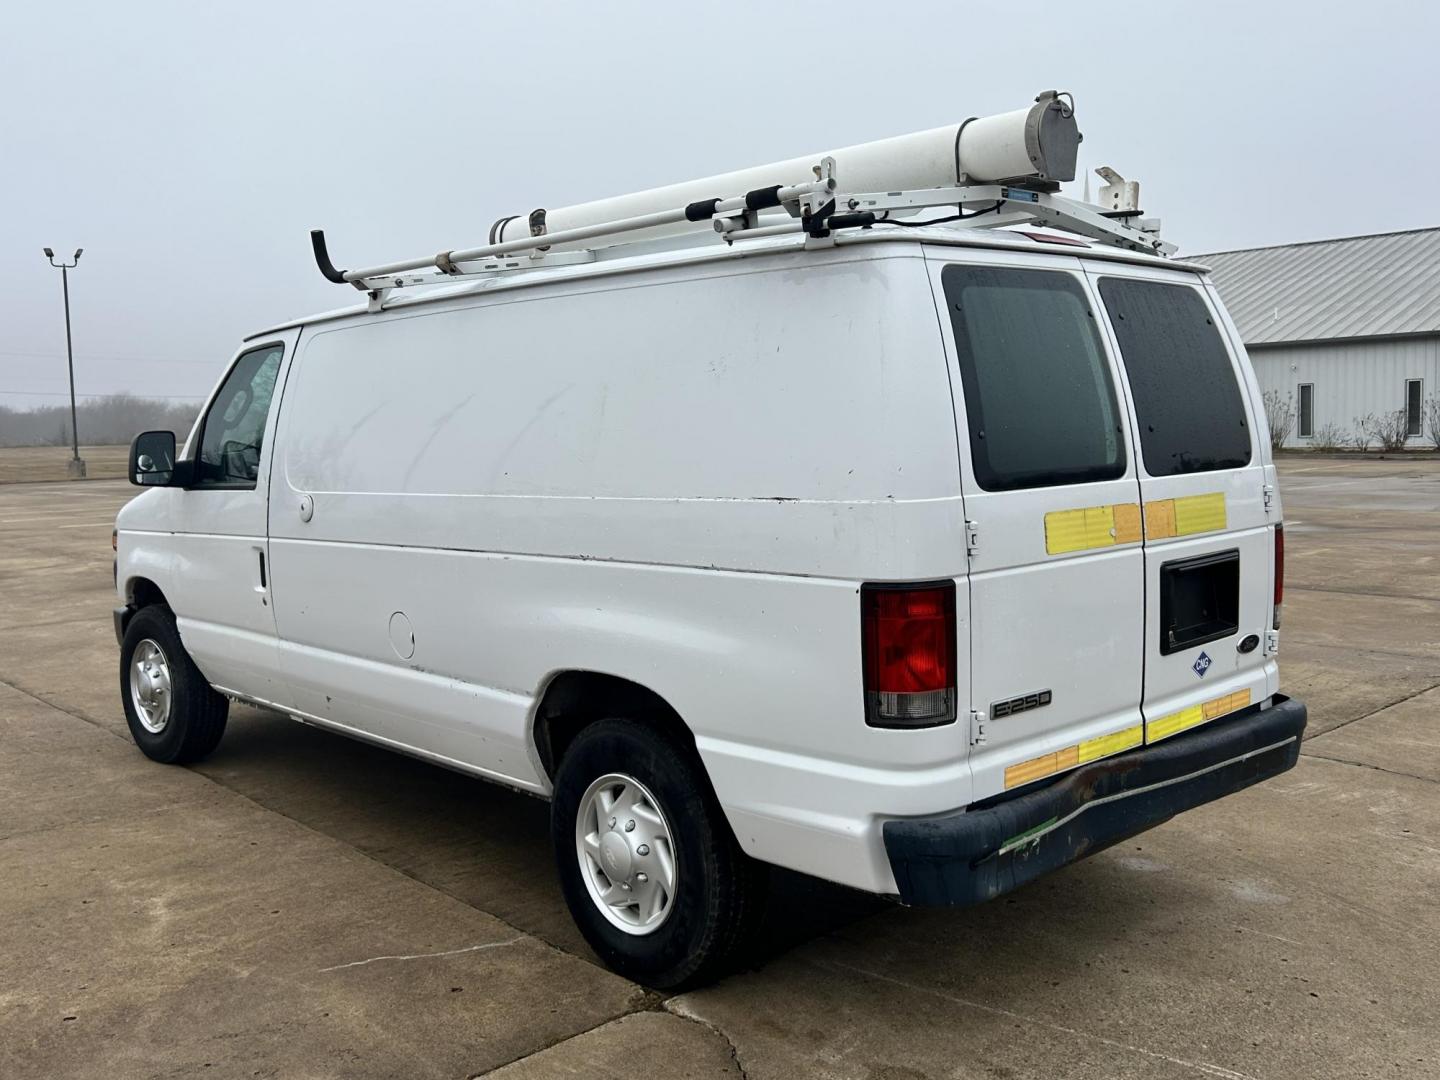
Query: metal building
x,y
1344,327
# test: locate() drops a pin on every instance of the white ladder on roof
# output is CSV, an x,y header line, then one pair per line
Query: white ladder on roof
x,y
993,172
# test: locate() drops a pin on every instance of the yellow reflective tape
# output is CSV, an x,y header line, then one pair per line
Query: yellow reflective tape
x,y
1026,771
1200,513
1099,526
1064,531
1185,516
1160,519
1127,523
1175,722
1071,756
1227,704
1105,745
1191,715
1091,527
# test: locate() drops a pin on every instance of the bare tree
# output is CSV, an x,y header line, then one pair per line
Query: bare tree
x,y
1328,438
1362,432
115,419
1432,419
1388,429
1280,415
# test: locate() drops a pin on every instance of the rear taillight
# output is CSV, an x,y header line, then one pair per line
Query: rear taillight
x,y
1279,572
907,638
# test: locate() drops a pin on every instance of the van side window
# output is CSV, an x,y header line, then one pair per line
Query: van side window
x,y
235,425
1187,400
1038,394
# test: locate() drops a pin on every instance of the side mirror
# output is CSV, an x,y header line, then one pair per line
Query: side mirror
x,y
152,459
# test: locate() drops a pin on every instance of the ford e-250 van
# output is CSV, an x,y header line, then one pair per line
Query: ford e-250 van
x,y
924,561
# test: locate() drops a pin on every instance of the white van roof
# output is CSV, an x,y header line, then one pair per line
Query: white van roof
x,y
1032,240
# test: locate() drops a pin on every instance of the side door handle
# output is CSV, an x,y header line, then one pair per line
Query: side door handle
x,y
262,586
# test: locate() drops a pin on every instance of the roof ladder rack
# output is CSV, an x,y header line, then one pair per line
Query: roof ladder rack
x,y
491,259
815,212
992,171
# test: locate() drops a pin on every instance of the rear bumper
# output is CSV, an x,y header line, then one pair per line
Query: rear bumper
x,y
976,854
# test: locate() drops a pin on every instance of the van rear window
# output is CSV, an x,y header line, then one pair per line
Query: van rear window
x,y
1188,404
1038,393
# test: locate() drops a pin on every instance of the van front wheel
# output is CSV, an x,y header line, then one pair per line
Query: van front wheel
x,y
173,714
650,870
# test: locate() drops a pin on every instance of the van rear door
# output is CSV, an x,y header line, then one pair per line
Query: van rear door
x,y
1208,538
1056,567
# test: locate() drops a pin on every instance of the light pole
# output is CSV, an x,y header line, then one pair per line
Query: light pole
x,y
76,467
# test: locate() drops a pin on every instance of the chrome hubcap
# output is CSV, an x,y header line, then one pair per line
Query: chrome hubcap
x,y
626,853
150,686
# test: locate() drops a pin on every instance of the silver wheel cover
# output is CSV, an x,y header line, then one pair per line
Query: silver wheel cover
x,y
626,854
150,687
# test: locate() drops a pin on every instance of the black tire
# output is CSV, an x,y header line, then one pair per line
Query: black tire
x,y
719,890
196,714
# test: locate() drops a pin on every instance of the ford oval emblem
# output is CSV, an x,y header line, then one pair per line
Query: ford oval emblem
x,y
1249,643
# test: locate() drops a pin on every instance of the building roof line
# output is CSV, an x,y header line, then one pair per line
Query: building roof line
x,y
1381,285
1314,243
1341,342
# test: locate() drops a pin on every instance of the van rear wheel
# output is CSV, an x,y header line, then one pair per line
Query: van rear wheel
x,y
173,714
650,870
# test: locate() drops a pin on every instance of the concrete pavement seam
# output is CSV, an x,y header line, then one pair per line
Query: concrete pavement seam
x,y
97,820
1367,765
1208,1068
1362,650
1375,712
676,1007
87,619
38,699
359,853
649,1002
1334,589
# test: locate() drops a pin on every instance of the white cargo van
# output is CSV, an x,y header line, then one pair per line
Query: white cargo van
x,y
923,560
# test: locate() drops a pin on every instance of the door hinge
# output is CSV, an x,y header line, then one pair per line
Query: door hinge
x,y
972,538
1272,642
978,721
1269,490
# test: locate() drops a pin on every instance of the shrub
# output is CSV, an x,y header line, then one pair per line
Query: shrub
x,y
1362,432
1280,417
1432,419
1328,438
1386,429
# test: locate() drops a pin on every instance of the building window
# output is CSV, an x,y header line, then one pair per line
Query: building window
x,y
1305,422
1414,389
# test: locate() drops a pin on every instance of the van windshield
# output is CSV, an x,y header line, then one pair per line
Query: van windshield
x,y
1187,399
1038,394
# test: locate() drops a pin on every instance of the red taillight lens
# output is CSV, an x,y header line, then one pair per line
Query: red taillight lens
x,y
1279,572
907,639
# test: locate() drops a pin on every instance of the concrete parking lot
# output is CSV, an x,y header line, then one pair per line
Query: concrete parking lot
x,y
304,906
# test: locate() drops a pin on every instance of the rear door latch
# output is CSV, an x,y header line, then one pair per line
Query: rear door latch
x,y
972,538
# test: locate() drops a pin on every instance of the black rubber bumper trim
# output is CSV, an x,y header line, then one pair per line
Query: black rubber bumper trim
x,y
970,856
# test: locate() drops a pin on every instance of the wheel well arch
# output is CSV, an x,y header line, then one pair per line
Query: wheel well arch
x,y
141,592
574,699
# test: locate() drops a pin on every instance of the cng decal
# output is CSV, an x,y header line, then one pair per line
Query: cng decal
x,y
1201,665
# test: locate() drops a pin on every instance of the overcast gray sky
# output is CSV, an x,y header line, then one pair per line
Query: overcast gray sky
x,y
189,147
